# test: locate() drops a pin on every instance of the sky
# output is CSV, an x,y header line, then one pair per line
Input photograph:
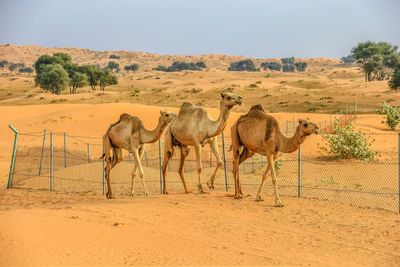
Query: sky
x,y
251,28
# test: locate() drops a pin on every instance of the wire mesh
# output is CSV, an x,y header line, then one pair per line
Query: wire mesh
x,y
78,167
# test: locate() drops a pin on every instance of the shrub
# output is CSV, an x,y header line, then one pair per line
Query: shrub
x,y
348,143
113,56
271,65
243,65
26,70
132,67
301,66
288,68
392,115
394,81
113,66
3,63
347,59
181,65
14,66
52,78
287,60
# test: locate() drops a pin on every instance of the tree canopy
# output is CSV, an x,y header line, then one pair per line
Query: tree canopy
x,y
243,65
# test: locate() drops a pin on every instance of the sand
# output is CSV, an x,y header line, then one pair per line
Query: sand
x,y
56,229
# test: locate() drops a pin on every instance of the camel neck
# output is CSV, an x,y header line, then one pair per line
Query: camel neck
x,y
290,144
217,126
150,136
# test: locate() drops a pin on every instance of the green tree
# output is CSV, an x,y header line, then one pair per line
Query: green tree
x,y
132,67
301,66
243,65
271,65
113,66
347,60
26,70
3,63
106,78
378,59
52,78
287,60
288,68
394,81
93,75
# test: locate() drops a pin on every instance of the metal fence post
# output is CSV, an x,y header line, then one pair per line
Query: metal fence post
x,y
51,161
398,164
65,150
299,178
225,167
14,152
160,165
103,178
88,153
42,151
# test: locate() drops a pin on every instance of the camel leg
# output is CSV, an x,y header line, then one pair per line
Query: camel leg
x,y
243,156
184,152
278,202
141,172
238,194
264,178
141,152
110,163
168,153
214,148
197,148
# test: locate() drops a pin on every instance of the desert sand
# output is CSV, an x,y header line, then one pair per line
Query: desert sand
x,y
38,229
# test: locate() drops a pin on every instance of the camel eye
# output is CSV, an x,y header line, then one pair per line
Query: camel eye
x,y
167,115
305,125
229,98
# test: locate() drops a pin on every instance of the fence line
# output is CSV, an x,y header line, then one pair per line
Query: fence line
x,y
59,167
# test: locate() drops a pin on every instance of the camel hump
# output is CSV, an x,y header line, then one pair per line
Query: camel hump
x,y
185,106
124,116
256,111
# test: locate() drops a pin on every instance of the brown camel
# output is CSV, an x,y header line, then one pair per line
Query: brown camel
x,y
194,127
129,134
258,132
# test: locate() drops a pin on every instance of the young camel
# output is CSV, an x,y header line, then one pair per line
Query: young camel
x,y
258,132
194,127
129,134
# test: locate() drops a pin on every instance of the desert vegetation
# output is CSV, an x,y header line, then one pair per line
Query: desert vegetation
x,y
180,65
391,115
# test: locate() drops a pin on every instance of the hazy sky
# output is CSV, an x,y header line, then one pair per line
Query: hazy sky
x,y
254,28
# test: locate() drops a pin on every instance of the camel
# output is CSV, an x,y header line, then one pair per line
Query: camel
x,y
130,134
194,127
258,132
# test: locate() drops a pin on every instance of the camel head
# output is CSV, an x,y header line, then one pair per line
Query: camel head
x,y
229,99
166,117
306,127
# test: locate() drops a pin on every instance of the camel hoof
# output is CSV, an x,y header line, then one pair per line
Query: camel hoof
x,y
146,193
132,194
278,203
109,195
188,191
238,197
258,199
165,192
210,185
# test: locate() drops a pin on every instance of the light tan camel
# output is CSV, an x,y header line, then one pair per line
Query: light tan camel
x,y
129,134
258,132
194,127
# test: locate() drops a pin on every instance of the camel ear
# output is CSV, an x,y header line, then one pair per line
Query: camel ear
x,y
301,121
222,94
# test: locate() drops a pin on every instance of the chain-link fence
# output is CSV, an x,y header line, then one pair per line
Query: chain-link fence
x,y
63,162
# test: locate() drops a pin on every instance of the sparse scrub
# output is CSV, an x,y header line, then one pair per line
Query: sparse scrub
x,y
180,65
243,65
131,67
301,66
113,56
288,68
347,143
271,66
113,66
392,115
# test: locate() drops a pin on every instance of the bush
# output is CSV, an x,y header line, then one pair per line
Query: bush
x,y
26,70
132,67
347,59
113,66
271,65
180,65
3,63
113,56
394,81
287,60
348,143
301,66
52,78
243,65
392,119
288,68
